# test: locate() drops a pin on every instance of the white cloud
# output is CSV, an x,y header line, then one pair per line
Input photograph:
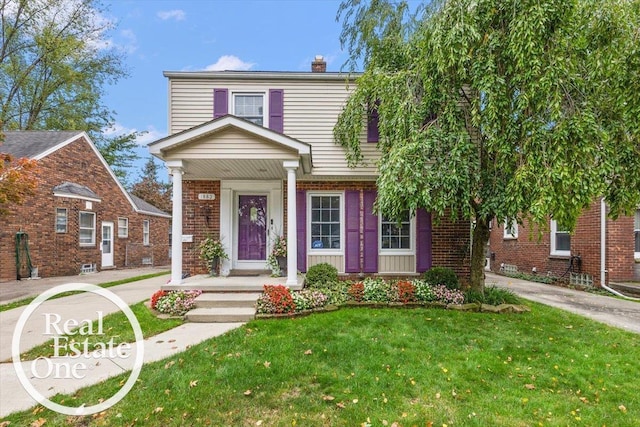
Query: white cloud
x,y
230,63
150,133
177,14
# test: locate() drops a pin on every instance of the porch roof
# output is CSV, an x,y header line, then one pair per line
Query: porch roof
x,y
233,148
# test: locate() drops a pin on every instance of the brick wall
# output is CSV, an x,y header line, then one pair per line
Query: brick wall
x,y
450,240
60,254
532,248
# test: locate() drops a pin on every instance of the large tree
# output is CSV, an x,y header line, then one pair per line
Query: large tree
x,y
18,179
524,109
151,189
55,62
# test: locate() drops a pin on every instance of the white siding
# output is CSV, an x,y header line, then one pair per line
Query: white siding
x,y
311,109
335,260
396,263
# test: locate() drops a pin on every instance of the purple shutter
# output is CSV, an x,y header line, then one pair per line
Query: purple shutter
x,y
276,110
373,134
301,225
220,103
370,233
423,241
352,228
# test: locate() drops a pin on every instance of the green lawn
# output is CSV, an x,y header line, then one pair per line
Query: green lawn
x,y
410,366
116,326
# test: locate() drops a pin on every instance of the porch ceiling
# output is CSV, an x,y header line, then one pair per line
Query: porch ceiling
x,y
247,169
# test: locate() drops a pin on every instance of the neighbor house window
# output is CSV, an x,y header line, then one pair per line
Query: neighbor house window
x,y
326,222
249,106
87,228
636,233
510,229
560,240
61,220
123,227
394,234
145,232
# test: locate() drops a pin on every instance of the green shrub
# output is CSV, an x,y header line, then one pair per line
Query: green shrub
x,y
492,296
423,291
375,290
442,276
321,274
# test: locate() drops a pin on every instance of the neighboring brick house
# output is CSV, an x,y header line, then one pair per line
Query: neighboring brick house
x,y
81,218
253,156
607,251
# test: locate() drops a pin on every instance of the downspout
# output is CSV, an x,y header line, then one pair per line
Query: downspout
x,y
603,252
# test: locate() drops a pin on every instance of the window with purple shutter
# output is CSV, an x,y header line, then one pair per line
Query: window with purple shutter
x,y
276,110
370,233
301,224
423,241
220,102
373,134
352,229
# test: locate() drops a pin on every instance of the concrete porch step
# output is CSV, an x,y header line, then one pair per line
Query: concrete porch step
x,y
227,299
221,314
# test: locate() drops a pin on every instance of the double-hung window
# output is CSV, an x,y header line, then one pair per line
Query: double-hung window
x,y
636,233
395,235
61,220
249,106
510,229
123,227
87,228
326,222
560,240
145,232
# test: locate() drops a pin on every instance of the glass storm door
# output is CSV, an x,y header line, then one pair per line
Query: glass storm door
x,y
107,244
252,228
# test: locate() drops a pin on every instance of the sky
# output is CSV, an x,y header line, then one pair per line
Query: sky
x,y
173,35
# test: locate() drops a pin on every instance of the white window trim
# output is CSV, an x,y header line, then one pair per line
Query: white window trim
x,y
554,252
126,227
146,235
326,251
514,225
265,103
93,234
412,238
66,220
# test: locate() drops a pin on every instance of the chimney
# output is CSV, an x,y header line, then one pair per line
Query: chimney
x,y
319,65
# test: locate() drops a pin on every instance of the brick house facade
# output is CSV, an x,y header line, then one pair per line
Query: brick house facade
x,y
253,157
77,190
579,252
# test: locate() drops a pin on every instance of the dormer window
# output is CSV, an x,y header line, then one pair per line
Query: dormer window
x,y
249,107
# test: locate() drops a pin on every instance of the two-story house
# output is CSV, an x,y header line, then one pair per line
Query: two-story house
x,y
252,155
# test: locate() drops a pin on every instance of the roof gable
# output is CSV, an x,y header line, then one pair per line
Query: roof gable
x,y
36,144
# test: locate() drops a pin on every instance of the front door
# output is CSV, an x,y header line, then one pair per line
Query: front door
x,y
107,244
252,231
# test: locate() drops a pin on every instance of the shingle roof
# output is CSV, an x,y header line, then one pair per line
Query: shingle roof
x,y
147,207
30,144
73,189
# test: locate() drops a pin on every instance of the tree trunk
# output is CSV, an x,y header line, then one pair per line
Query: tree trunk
x,y
480,238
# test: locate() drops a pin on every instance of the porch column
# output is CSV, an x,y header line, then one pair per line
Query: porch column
x,y
176,171
292,244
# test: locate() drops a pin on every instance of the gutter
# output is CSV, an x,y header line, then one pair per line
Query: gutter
x,y
603,252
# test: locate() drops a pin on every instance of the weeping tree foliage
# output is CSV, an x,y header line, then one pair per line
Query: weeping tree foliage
x,y
55,61
523,109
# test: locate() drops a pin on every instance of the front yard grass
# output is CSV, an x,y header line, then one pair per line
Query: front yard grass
x,y
380,366
116,326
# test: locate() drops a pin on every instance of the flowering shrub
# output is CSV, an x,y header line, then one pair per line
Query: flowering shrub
x,y
176,303
308,300
423,291
356,291
279,247
275,299
375,290
405,291
155,297
448,296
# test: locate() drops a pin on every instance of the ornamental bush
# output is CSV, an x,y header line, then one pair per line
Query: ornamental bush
x,y
375,290
441,276
308,299
423,291
356,291
404,291
175,303
321,274
275,299
155,297
448,296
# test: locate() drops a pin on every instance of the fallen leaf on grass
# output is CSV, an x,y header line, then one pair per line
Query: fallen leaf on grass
x,y
158,410
39,422
193,383
341,405
328,397
247,393
308,352
530,386
267,364
622,408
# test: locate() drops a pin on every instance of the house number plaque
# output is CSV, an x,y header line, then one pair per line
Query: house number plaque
x,y
206,196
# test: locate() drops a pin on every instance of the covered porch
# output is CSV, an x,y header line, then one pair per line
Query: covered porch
x,y
231,179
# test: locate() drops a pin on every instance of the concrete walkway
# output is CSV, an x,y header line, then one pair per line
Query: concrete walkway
x,y
13,396
616,312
